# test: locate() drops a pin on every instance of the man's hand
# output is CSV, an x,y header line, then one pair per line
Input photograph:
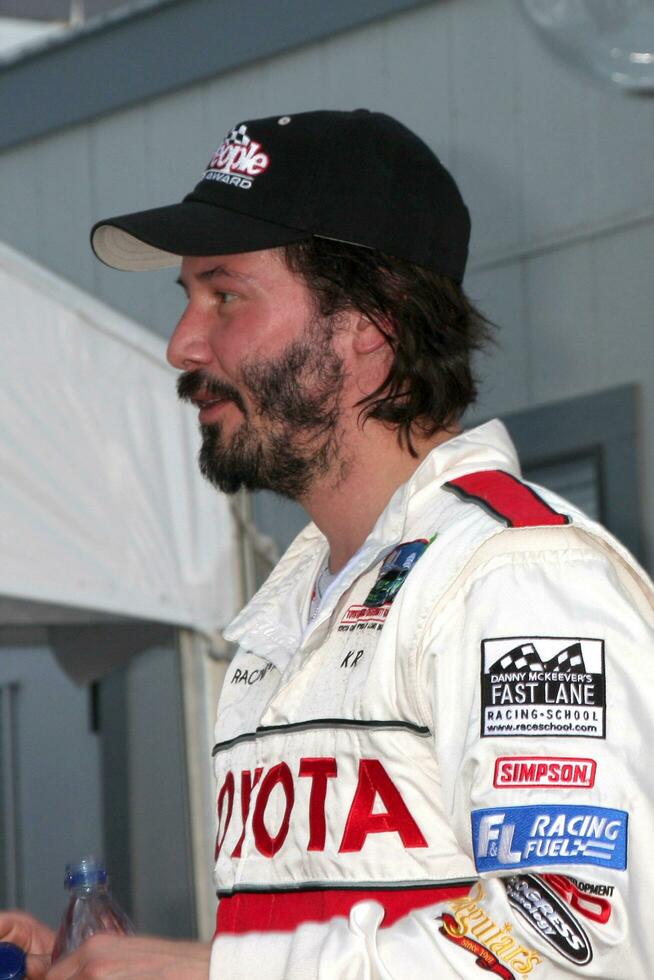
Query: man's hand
x,y
25,931
109,957
31,935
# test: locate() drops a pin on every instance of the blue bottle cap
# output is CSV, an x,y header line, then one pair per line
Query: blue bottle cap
x,y
89,871
12,962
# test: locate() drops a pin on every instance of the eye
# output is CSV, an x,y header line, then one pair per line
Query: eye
x,y
225,297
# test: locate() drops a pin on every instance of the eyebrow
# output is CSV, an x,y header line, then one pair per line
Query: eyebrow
x,y
216,270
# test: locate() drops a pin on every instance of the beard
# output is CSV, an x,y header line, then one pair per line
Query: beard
x,y
289,436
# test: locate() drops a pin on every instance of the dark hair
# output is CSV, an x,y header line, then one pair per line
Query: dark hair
x,y
430,324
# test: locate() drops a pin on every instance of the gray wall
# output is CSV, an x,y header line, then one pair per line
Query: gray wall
x,y
54,9
75,780
558,172
52,813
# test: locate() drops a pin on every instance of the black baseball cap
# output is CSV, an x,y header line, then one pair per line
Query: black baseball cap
x,y
359,177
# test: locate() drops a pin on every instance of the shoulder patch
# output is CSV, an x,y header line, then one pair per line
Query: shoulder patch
x,y
505,498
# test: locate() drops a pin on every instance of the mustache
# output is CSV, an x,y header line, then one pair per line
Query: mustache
x,y
190,384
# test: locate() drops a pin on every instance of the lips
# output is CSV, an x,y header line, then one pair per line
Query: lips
x,y
207,402
210,407
204,399
209,395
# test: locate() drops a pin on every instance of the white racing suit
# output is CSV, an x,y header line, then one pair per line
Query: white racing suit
x,y
448,770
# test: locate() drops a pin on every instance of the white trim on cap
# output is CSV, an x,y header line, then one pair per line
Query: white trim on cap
x,y
120,250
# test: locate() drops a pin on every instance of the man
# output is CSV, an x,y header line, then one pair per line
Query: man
x,y
430,747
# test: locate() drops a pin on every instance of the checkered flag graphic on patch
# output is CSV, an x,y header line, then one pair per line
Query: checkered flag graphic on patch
x,y
527,657
239,136
569,660
524,657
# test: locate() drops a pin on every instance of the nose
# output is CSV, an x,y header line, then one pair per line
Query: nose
x,y
188,348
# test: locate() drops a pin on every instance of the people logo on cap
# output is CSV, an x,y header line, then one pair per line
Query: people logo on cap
x,y
359,177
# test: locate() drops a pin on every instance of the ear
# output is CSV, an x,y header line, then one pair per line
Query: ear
x,y
367,337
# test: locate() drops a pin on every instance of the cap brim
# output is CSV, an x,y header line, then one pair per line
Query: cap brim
x,y
158,238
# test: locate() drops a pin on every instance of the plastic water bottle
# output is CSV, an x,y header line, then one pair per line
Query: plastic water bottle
x,y
91,908
12,962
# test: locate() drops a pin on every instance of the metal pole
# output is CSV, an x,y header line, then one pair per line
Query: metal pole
x,y
9,794
77,13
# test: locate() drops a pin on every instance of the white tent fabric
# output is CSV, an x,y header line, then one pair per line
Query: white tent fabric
x,y
103,511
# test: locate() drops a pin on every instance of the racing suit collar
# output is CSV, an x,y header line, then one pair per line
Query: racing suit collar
x,y
273,623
